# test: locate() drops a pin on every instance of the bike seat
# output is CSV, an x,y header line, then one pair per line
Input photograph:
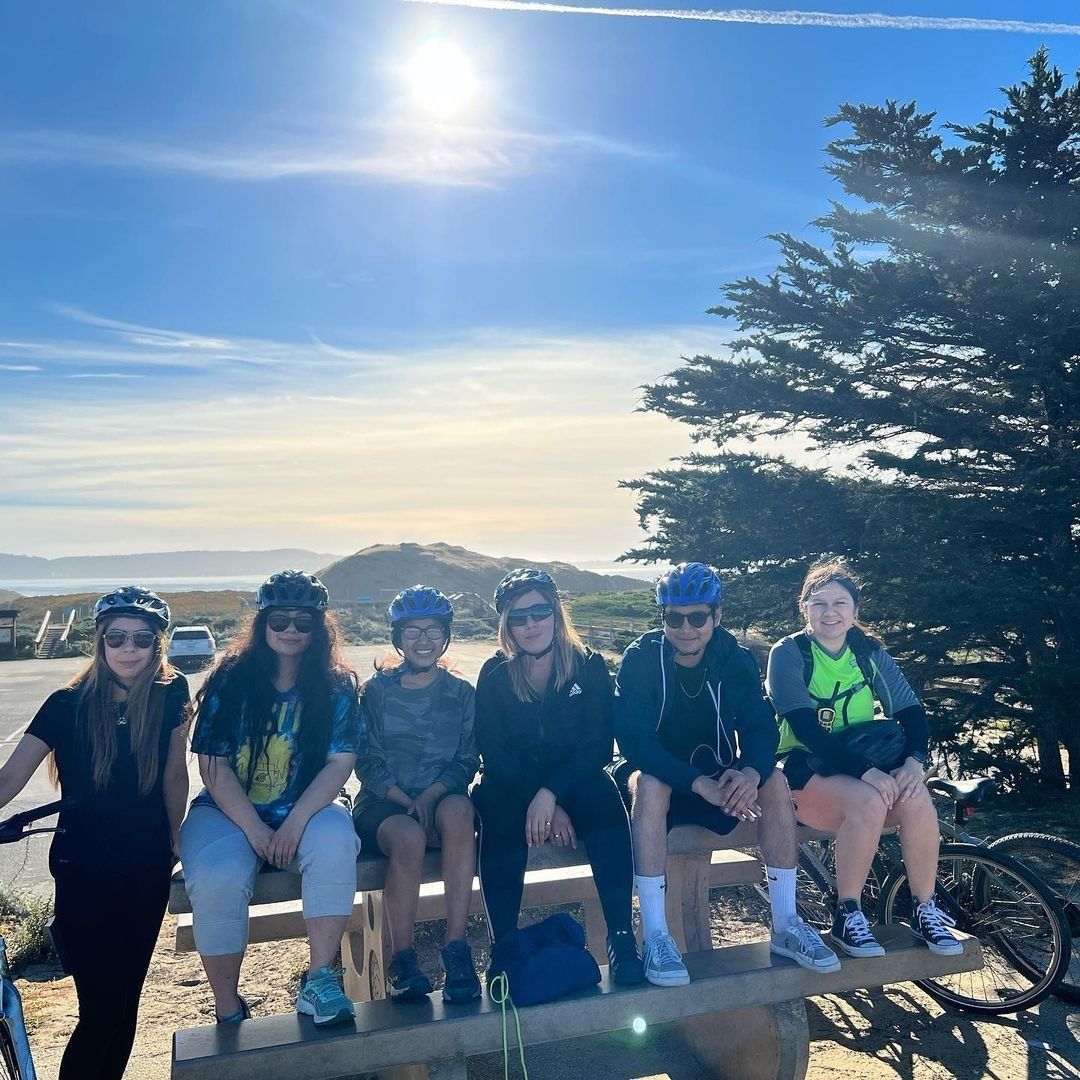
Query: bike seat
x,y
965,792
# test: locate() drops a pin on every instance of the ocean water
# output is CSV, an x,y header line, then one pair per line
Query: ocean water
x,y
63,586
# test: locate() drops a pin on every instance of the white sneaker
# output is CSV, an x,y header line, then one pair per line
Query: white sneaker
x,y
663,961
800,942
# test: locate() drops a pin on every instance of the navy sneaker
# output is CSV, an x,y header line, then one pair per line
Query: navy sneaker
x,y
932,925
462,982
404,979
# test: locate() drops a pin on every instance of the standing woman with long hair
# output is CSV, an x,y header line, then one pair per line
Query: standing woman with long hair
x,y
277,735
117,735
544,730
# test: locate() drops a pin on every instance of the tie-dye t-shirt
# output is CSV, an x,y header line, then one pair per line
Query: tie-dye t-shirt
x,y
275,781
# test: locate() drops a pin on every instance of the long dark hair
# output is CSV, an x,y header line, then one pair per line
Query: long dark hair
x,y
96,705
243,683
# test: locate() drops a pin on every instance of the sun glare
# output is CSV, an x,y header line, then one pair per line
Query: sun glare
x,y
441,77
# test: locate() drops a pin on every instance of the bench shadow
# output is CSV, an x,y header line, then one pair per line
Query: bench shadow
x,y
896,1024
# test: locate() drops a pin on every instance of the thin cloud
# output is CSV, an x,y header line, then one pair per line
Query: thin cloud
x,y
19,367
851,21
402,151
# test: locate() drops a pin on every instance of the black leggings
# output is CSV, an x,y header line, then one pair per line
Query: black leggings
x,y
107,924
599,819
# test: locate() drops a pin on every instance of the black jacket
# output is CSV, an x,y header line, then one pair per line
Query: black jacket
x,y
550,743
745,722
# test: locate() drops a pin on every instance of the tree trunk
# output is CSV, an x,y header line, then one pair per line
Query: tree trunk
x,y
1051,774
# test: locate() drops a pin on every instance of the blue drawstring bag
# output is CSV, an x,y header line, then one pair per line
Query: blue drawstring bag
x,y
544,961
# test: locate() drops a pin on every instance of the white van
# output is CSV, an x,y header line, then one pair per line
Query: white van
x,y
191,648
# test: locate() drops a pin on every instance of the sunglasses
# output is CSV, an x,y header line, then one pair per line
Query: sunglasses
x,y
414,633
279,622
538,613
697,619
141,639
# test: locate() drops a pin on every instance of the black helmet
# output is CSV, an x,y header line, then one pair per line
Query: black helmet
x,y
133,600
292,589
522,580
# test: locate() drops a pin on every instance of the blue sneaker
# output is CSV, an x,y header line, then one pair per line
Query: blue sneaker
x,y
322,998
243,1013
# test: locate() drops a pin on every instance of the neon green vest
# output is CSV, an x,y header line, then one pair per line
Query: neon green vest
x,y
840,694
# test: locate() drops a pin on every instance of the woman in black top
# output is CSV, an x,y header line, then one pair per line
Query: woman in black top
x,y
117,737
543,726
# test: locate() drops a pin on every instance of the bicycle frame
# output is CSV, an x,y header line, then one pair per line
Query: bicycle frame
x,y
11,1014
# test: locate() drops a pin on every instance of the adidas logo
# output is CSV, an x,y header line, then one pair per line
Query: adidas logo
x,y
575,690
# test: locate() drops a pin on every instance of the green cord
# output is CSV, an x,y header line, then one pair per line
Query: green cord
x,y
501,985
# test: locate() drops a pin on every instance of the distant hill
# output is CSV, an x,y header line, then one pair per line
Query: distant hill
x,y
167,564
6,596
392,567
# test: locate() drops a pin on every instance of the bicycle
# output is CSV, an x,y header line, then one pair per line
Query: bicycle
x,y
1020,926
1056,862
16,1061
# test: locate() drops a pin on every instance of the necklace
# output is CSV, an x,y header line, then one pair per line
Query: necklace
x,y
701,685
120,711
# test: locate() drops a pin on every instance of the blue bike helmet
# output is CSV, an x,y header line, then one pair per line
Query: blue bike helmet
x,y
689,583
522,580
292,589
133,600
420,602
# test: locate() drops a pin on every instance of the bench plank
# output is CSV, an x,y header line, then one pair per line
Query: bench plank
x,y
284,921
385,1035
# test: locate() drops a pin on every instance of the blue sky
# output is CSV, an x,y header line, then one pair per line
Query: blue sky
x,y
255,293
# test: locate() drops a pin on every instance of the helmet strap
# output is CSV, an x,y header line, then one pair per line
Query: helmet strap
x,y
543,652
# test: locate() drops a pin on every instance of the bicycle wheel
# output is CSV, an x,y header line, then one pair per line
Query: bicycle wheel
x,y
815,899
1013,916
9,1060
1056,863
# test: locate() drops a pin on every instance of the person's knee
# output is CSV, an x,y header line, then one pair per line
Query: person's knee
x,y
402,838
652,797
218,883
865,807
455,817
774,793
918,811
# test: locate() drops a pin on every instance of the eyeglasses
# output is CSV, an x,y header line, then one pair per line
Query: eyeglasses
x,y
697,619
538,613
141,639
414,633
279,622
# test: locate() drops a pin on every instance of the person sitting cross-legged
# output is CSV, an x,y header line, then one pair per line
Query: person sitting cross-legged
x,y
699,742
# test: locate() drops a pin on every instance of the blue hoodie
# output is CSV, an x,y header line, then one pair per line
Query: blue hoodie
x,y
745,723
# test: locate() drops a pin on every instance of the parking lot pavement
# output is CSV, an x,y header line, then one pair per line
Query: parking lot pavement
x,y
25,684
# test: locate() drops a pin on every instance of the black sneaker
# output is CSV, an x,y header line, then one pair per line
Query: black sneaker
x,y
624,960
932,925
851,932
462,982
404,979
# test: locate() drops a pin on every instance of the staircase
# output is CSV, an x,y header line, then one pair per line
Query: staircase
x,y
51,644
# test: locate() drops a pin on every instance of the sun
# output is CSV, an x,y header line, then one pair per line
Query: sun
x,y
441,77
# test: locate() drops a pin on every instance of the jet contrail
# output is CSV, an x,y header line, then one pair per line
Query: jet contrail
x,y
862,21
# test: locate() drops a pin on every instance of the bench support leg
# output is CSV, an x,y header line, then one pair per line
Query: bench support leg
x,y
688,901
766,1042
365,953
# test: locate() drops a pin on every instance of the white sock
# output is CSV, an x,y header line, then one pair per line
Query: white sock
x,y
651,893
781,896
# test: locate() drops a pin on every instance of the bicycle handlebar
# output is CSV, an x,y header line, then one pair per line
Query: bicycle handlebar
x,y
15,828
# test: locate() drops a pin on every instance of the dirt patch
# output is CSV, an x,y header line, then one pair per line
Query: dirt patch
x,y
876,1035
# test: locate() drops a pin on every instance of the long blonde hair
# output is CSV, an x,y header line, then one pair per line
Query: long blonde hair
x,y
569,648
145,713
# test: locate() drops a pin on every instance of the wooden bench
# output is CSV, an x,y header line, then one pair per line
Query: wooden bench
x,y
555,876
763,1033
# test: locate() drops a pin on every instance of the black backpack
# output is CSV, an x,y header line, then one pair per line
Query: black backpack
x,y
861,647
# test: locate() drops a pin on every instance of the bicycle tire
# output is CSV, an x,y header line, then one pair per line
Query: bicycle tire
x,y
999,902
815,897
1056,862
9,1060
